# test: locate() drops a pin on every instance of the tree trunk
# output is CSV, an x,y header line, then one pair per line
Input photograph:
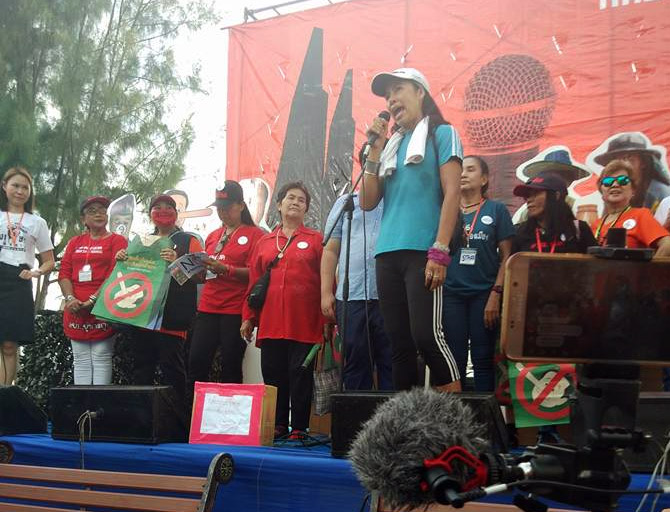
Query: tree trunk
x,y
43,284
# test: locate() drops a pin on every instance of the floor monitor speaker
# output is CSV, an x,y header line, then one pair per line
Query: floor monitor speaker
x,y
19,414
353,408
126,414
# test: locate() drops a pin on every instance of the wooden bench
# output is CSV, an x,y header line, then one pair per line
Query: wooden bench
x,y
47,486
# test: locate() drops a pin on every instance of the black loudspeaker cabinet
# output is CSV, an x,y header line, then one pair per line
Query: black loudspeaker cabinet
x,y
351,409
124,414
19,414
653,416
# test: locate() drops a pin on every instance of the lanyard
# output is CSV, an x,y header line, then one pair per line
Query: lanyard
x,y
472,225
539,242
14,231
88,250
90,242
225,237
602,222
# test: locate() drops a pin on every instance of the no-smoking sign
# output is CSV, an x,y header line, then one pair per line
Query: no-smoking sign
x,y
128,295
547,397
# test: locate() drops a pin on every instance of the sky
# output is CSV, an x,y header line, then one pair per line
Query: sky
x,y
208,48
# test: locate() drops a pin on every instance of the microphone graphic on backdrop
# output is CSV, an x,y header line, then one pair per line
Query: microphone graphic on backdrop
x,y
508,105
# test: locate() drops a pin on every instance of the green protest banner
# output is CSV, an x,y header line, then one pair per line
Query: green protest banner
x,y
501,390
136,290
540,393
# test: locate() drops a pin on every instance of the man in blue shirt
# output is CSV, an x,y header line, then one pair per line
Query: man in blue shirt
x,y
367,347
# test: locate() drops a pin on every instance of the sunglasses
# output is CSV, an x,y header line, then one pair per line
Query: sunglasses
x,y
621,180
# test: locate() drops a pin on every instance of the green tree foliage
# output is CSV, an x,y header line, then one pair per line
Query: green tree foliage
x,y
85,86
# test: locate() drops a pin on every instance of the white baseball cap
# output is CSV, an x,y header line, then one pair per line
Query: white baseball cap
x,y
381,80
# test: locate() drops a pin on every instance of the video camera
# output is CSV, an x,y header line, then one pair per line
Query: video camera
x,y
610,315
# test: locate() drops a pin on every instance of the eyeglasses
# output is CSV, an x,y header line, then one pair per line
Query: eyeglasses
x,y
95,211
621,180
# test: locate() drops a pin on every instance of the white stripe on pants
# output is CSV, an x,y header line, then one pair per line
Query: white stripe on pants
x,y
93,361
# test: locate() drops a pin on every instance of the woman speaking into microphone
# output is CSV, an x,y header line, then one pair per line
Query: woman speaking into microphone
x,y
418,174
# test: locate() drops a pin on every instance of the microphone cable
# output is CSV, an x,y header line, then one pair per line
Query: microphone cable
x,y
366,500
661,466
371,361
83,421
498,488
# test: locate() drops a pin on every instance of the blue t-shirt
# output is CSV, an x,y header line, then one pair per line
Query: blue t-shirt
x,y
493,225
362,282
413,195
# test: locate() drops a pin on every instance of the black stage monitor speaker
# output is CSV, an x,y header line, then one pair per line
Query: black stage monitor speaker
x,y
124,414
653,416
352,409
19,414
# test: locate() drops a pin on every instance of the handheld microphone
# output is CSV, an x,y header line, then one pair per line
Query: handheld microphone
x,y
386,116
372,137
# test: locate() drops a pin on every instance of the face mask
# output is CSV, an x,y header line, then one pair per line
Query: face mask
x,y
163,217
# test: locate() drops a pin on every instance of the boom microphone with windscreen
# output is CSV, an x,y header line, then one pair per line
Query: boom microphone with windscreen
x,y
389,452
421,447
508,105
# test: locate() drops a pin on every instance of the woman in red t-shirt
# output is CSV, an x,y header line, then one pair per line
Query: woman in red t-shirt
x,y
165,347
88,261
642,229
290,321
219,315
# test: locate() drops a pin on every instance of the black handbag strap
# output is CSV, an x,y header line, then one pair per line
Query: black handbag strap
x,y
276,260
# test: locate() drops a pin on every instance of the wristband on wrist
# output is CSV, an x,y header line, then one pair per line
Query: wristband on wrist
x,y
439,256
69,298
441,247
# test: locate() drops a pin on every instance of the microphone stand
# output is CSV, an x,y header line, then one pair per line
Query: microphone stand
x,y
347,209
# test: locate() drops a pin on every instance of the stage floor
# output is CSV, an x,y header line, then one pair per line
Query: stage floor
x,y
278,479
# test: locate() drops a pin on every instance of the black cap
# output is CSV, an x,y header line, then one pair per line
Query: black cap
x,y
104,201
230,193
543,181
162,198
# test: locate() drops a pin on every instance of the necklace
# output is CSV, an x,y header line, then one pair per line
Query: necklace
x,y
465,207
282,249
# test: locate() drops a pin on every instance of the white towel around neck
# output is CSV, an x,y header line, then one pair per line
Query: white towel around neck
x,y
416,149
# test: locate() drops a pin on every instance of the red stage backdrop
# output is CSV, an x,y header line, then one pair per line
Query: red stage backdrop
x,y
516,78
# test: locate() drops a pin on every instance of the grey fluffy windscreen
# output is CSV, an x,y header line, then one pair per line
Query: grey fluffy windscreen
x,y
388,453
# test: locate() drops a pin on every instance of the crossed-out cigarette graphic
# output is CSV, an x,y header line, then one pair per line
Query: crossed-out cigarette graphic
x,y
129,299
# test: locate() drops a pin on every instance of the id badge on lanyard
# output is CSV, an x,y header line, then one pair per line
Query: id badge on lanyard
x,y
468,256
85,274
